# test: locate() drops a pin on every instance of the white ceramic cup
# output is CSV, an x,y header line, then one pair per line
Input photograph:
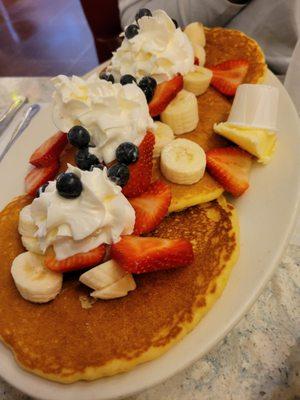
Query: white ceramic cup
x,y
256,106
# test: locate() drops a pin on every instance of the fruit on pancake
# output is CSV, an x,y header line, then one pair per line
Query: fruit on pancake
x,y
230,166
228,75
79,137
69,185
183,161
49,151
199,53
151,207
31,244
127,79
38,176
148,84
197,81
73,263
107,77
195,32
181,114
164,93
85,160
117,289
33,280
119,173
127,153
163,135
140,173
26,225
102,275
41,189
147,254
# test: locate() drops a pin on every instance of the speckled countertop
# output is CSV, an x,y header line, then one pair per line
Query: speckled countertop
x,y
258,359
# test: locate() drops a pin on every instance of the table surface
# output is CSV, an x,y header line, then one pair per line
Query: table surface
x,y
258,359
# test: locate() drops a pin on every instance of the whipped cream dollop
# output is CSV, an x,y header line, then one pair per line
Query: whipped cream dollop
x,y
112,113
159,50
101,214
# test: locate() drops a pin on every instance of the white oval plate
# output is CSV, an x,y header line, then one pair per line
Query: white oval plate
x,y
266,215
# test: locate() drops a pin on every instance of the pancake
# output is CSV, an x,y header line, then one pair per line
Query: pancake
x,y
65,342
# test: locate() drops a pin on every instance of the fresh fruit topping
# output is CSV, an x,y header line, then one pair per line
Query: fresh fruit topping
x,y
41,189
143,12
151,207
164,93
228,75
195,33
148,81
118,289
230,166
69,185
131,31
73,263
38,176
49,151
182,114
126,79
79,137
119,174
200,54
146,254
99,166
141,171
102,275
163,136
107,77
175,22
84,159
197,81
196,61
127,153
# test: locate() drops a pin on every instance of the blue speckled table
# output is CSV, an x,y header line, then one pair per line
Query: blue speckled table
x,y
258,359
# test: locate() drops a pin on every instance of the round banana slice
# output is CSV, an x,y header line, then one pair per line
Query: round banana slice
x,y
163,136
181,114
27,226
197,81
183,161
195,32
31,244
33,280
117,289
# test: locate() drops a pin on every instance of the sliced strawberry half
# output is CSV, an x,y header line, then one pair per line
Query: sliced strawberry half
x,y
164,93
141,171
228,75
230,166
146,254
151,207
49,151
78,261
38,176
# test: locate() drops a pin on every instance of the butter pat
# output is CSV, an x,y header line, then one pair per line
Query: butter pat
x,y
259,142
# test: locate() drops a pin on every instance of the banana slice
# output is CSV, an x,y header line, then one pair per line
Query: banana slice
x,y
31,244
163,135
199,52
181,114
103,275
33,280
117,289
183,161
197,81
195,32
27,226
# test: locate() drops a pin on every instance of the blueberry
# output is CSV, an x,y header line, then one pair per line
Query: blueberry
x,y
127,153
107,77
125,79
78,136
148,92
41,189
84,159
118,173
143,12
131,31
148,81
68,185
100,166
175,23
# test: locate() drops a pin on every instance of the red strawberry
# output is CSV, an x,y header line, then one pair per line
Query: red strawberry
x,y
141,171
230,166
78,261
50,150
151,207
146,254
38,176
164,93
228,75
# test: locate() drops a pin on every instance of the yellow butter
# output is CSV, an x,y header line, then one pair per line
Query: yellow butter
x,y
259,142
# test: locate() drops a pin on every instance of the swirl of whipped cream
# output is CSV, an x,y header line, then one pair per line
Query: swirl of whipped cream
x,y
112,113
99,215
159,50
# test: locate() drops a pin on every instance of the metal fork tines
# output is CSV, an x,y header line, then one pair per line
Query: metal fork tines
x,y
9,114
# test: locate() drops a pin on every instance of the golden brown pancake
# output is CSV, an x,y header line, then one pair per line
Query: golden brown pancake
x,y
65,342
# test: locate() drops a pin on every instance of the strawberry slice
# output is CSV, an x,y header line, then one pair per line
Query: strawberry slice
x,y
230,166
78,261
38,176
146,254
141,171
164,93
151,207
228,75
49,151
